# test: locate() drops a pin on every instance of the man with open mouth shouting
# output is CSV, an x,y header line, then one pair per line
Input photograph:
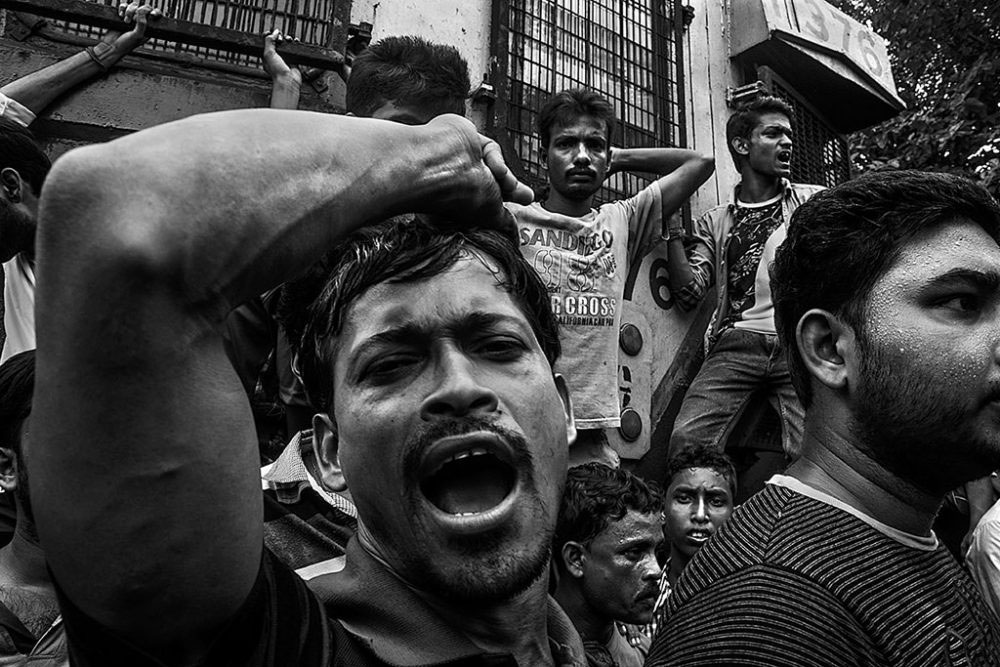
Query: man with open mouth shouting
x,y
733,245
430,348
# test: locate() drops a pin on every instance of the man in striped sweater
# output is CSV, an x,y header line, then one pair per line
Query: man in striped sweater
x,y
887,295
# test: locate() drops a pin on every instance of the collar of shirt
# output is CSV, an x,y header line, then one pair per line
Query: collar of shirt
x,y
786,190
394,622
288,476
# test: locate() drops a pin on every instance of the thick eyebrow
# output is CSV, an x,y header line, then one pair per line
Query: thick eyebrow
x,y
984,281
775,126
412,333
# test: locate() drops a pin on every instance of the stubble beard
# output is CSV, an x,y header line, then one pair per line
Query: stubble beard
x,y
906,423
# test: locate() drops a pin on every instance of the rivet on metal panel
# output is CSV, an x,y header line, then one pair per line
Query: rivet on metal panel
x,y
630,339
631,427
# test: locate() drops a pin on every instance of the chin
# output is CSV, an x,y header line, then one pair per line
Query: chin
x,y
491,575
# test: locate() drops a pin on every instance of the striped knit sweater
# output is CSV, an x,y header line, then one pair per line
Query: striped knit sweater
x,y
794,581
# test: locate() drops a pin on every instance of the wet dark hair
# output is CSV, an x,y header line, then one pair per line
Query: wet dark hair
x,y
703,456
596,496
745,119
312,307
19,151
567,106
842,240
17,386
408,71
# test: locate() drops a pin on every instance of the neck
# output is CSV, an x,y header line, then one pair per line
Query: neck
x,y
592,626
832,462
575,208
22,561
518,627
756,187
678,561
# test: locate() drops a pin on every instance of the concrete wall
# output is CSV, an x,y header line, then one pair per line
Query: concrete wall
x,y
465,24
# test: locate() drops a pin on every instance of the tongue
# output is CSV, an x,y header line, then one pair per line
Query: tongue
x,y
472,484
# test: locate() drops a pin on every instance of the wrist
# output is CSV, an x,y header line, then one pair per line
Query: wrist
x,y
103,54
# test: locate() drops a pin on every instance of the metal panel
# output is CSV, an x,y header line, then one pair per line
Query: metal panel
x,y
627,50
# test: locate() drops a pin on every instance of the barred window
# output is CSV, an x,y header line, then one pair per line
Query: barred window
x,y
627,50
313,22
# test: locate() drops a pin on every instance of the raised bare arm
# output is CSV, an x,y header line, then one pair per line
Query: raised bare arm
x,y
143,455
681,171
38,89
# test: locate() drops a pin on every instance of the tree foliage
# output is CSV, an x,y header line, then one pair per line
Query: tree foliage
x,y
946,64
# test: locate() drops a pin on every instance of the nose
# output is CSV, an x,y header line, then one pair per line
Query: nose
x,y
458,390
652,568
699,511
581,155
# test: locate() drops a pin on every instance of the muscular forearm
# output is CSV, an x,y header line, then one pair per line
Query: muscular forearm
x,y
238,201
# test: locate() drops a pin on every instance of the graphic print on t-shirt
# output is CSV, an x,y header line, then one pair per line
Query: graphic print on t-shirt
x,y
753,225
572,267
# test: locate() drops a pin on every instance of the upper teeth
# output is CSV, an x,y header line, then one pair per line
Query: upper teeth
x,y
476,451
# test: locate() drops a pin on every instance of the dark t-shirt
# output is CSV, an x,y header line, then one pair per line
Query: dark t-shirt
x,y
284,624
253,638
791,581
753,225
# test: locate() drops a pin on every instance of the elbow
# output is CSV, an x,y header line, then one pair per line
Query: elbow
x,y
93,218
706,167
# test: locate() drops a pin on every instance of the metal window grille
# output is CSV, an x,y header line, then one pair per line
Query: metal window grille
x,y
311,21
627,50
821,155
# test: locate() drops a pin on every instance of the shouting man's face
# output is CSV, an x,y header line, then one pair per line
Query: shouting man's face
x,y
452,432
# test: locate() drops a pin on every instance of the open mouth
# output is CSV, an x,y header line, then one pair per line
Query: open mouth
x,y
784,157
468,475
699,536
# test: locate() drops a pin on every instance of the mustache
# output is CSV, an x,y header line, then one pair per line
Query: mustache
x,y
419,442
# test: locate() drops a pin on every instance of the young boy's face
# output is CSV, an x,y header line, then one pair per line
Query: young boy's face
x,y
699,500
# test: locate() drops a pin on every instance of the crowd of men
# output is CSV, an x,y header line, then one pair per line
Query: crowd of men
x,y
447,493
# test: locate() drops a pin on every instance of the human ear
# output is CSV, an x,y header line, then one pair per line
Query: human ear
x,y
8,469
11,183
826,346
567,408
574,556
326,448
741,145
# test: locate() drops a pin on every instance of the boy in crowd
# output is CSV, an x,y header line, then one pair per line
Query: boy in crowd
x,y
609,530
584,254
699,501
734,245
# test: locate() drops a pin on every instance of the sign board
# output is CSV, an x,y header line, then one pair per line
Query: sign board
x,y
825,26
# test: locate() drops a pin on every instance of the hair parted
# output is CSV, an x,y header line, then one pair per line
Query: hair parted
x,y
566,106
19,151
17,385
596,496
842,240
746,118
408,71
402,250
703,456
